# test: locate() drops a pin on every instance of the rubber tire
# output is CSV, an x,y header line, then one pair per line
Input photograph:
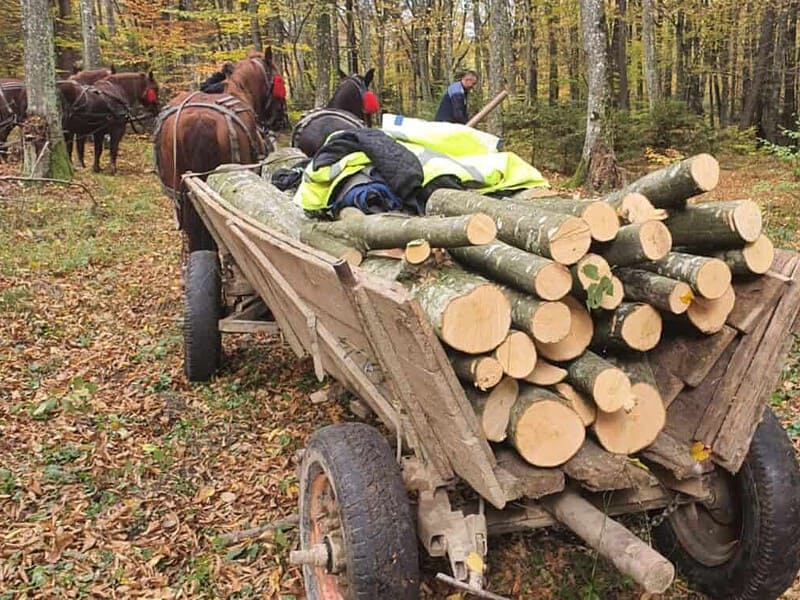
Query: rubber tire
x,y
380,541
768,555
202,341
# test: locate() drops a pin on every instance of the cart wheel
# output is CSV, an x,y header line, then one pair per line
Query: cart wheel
x,y
357,535
202,343
744,544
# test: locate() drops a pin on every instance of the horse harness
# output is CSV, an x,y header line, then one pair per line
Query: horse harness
x,y
8,114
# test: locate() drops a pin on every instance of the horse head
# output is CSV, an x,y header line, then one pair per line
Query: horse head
x,y
353,95
257,81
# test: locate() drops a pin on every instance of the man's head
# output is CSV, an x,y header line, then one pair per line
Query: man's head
x,y
469,79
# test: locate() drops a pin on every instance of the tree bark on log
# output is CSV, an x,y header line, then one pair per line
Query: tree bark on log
x,y
754,259
266,204
543,429
671,186
628,553
516,354
666,294
483,372
545,373
562,238
546,322
281,158
598,470
378,232
493,408
708,277
709,316
632,326
716,224
580,333
650,240
600,216
632,207
607,385
525,271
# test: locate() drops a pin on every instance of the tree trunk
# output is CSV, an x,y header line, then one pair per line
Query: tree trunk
x,y
91,46
493,408
708,277
580,333
650,240
666,294
650,57
483,372
44,149
789,116
322,52
65,29
632,326
545,373
600,216
709,316
350,35
111,22
561,238
598,167
633,207
754,259
255,27
543,428
586,408
552,49
498,32
516,354
607,385
532,53
619,52
547,322
749,116
716,224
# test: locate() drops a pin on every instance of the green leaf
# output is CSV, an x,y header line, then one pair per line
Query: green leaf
x,y
591,272
44,408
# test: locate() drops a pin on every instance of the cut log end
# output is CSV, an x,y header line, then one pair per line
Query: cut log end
x,y
496,409
656,239
602,220
352,256
709,316
680,298
636,208
611,390
477,321
759,255
642,328
705,172
487,373
350,213
481,229
615,298
516,355
626,432
577,340
570,241
553,282
551,322
548,434
747,220
417,252
545,373
590,269
713,279
582,405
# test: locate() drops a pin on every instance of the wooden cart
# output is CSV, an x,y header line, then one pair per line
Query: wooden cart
x,y
730,522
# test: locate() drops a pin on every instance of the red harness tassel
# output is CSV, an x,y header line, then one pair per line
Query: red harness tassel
x,y
278,87
371,104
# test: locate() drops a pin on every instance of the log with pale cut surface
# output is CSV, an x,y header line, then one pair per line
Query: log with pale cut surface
x,y
754,258
545,373
716,224
493,408
563,238
708,277
585,407
524,271
590,272
632,207
606,384
577,340
671,186
516,354
709,316
633,325
600,216
483,372
666,294
417,252
543,428
546,322
650,240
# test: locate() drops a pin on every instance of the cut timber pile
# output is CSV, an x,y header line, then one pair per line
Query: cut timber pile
x,y
552,309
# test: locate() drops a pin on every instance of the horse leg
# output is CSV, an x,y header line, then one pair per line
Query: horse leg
x,y
80,150
116,134
98,150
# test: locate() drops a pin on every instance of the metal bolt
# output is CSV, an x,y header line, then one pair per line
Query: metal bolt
x,y
313,556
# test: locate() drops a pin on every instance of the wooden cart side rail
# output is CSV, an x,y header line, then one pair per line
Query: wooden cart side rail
x,y
420,383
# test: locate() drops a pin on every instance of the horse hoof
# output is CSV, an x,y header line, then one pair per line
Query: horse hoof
x,y
96,169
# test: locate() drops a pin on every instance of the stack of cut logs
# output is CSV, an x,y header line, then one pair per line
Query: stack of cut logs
x,y
547,304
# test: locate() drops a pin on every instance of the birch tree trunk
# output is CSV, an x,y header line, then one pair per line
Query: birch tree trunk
x,y
650,59
91,45
255,28
495,75
44,149
598,168
111,22
322,50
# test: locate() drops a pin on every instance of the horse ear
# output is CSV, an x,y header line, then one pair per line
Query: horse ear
x,y
75,69
342,74
151,77
112,68
268,54
368,77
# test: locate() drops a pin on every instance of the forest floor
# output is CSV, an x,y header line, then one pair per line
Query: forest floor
x,y
118,477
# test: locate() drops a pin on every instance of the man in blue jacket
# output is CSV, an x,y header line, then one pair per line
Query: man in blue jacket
x,y
453,106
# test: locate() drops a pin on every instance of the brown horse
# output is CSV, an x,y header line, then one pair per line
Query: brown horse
x,y
104,108
354,96
198,132
13,106
90,76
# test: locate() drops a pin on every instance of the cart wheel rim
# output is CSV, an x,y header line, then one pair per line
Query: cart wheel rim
x,y
710,531
324,519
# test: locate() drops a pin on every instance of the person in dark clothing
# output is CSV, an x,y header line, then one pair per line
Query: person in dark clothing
x,y
215,84
453,106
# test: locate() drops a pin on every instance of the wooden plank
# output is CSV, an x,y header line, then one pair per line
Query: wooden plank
x,y
690,355
733,441
598,470
674,455
228,325
669,385
755,297
521,480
